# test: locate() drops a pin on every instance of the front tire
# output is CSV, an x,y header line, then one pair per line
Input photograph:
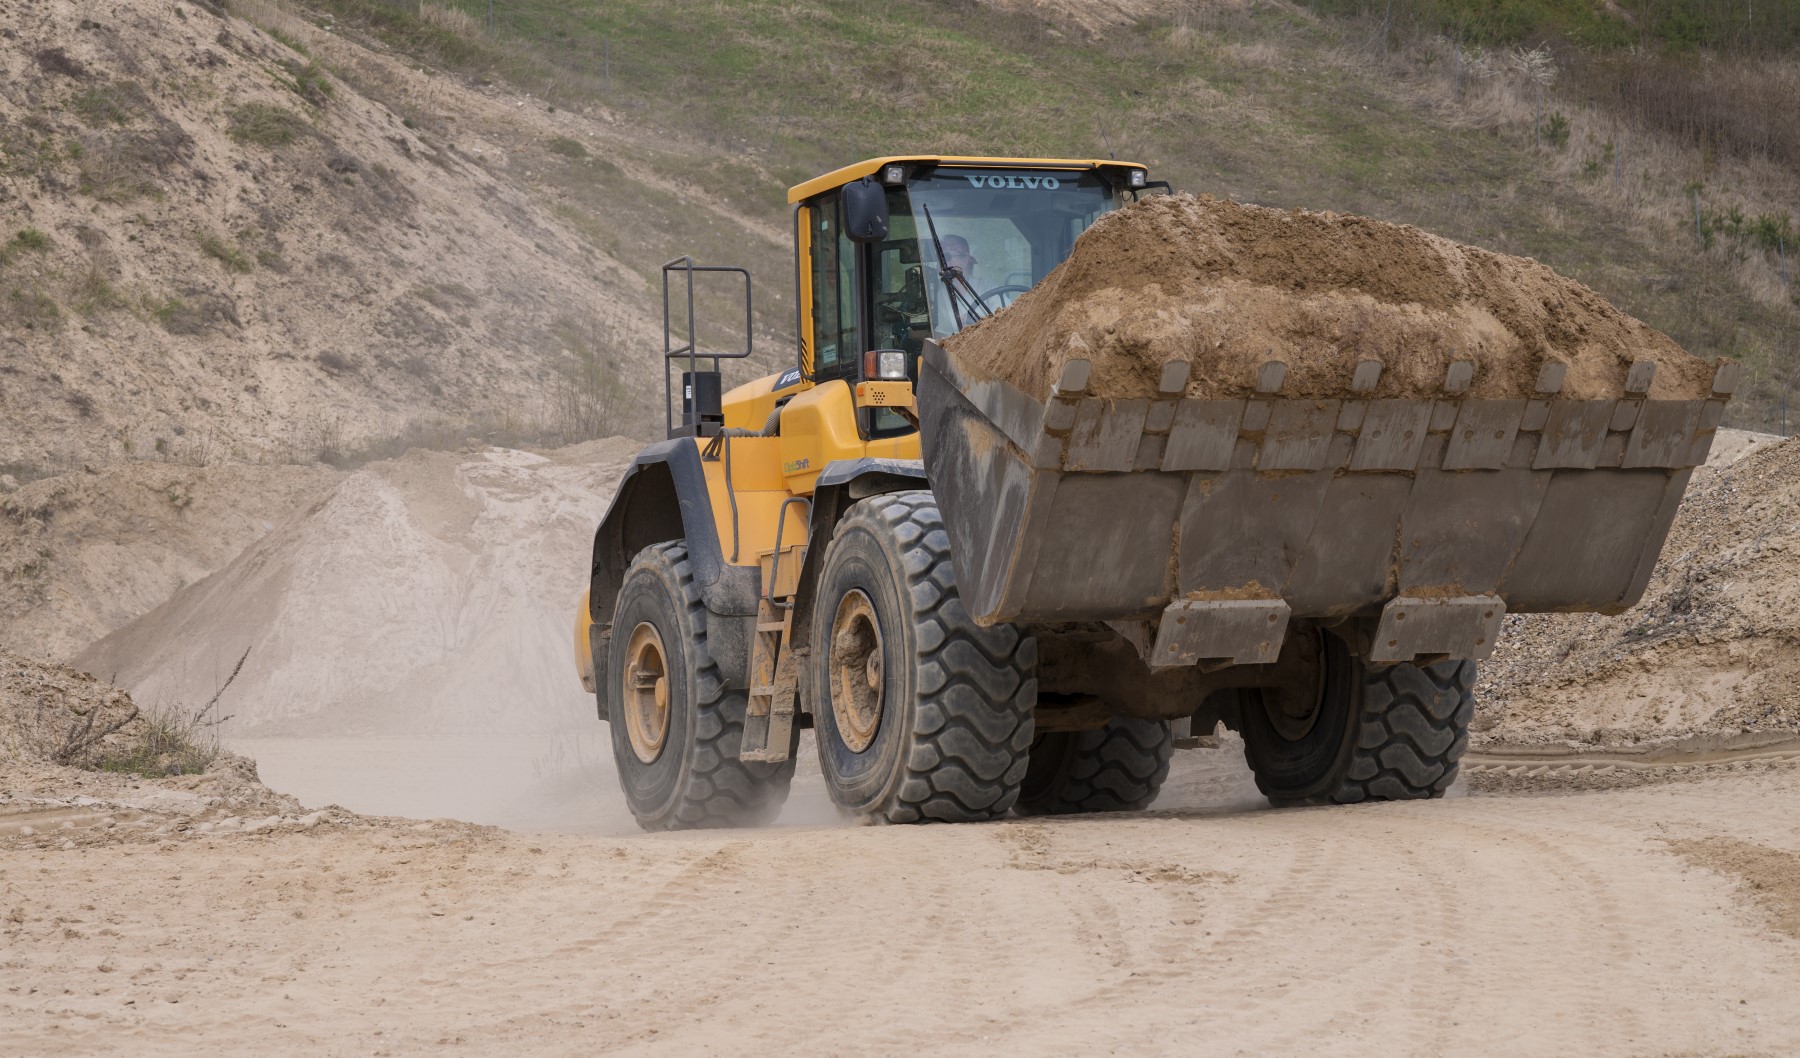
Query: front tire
x,y
1373,733
676,727
1116,768
920,714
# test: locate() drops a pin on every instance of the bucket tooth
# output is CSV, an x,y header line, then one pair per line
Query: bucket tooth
x,y
1458,627
1239,631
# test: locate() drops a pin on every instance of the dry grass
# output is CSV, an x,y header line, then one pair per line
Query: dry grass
x,y
55,715
451,20
173,741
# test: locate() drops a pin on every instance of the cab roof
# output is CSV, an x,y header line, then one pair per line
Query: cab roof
x,y
858,170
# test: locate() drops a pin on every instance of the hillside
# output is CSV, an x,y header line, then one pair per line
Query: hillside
x,y
303,229
1502,140
218,247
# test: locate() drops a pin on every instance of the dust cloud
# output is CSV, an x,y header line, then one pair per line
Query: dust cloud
x,y
409,641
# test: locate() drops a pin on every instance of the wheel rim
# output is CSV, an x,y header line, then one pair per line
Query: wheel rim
x,y
646,696
856,671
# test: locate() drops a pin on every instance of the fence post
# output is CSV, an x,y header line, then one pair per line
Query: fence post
x,y
779,115
1697,232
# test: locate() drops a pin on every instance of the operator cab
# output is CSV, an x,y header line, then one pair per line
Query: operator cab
x,y
890,253
895,251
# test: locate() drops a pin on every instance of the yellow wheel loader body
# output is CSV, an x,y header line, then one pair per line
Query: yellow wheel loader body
x,y
1145,560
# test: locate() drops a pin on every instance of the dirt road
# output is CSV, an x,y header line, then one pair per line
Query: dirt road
x,y
1496,923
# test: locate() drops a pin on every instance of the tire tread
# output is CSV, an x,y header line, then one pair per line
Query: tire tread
x,y
977,687
722,790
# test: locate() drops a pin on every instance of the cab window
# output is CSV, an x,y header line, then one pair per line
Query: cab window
x,y
834,292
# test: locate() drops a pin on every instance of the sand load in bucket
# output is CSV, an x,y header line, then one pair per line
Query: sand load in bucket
x,y
1213,418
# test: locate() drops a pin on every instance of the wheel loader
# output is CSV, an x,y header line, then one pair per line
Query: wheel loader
x,y
982,602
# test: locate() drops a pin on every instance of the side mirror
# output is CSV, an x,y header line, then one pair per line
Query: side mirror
x,y
865,211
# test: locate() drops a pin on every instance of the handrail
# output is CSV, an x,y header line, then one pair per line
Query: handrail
x,y
775,562
691,347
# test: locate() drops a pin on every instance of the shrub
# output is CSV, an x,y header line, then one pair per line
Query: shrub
x,y
230,256
1557,131
568,148
336,363
289,40
263,125
32,310
56,60
121,169
29,240
178,316
1772,230
309,81
116,103
95,293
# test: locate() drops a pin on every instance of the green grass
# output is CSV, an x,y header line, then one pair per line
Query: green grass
x,y
28,240
1678,25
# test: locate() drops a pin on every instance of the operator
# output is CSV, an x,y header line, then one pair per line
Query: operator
x,y
957,255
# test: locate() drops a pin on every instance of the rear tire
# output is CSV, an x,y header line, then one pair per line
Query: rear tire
x,y
676,727
920,714
1116,768
1379,732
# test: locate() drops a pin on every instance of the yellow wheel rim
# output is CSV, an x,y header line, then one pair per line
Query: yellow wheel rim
x,y
646,697
856,675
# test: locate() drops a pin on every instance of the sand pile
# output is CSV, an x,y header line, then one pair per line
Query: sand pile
x,y
81,765
1229,287
54,715
1709,652
427,594
83,553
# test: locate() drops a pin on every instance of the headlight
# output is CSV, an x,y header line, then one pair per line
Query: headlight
x,y
894,174
1137,178
885,364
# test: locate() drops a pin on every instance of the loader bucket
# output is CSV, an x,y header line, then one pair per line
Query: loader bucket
x,y
1214,522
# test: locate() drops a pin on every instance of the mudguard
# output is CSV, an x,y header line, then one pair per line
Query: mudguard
x,y
843,483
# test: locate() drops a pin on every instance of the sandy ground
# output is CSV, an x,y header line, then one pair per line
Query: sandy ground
x,y
1591,923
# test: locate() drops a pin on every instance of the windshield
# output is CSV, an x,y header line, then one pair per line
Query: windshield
x,y
1002,230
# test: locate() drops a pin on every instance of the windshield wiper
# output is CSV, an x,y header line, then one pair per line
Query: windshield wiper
x,y
959,299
